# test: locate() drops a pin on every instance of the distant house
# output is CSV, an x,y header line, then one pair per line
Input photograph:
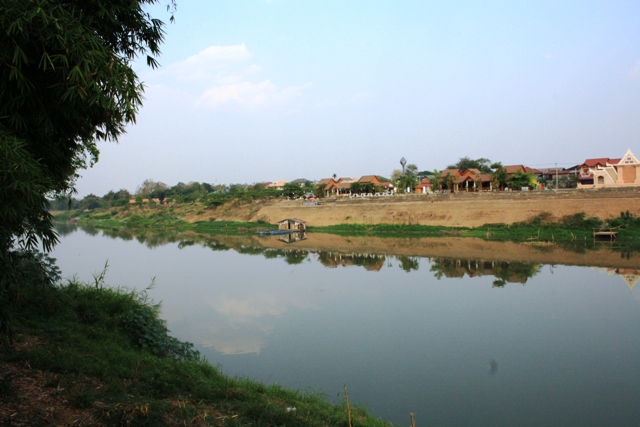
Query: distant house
x,y
386,186
325,185
424,187
278,185
605,172
300,181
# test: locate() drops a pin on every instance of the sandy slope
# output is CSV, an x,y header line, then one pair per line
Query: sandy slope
x,y
462,209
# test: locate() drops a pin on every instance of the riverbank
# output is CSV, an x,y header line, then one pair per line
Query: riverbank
x,y
566,218
443,210
90,355
456,210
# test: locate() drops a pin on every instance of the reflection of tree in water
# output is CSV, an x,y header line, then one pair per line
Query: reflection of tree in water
x,y
91,231
504,271
408,263
371,262
65,228
295,257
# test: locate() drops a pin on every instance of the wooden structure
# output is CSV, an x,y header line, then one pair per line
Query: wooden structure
x,y
294,224
610,234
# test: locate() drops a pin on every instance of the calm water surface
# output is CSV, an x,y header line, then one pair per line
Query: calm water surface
x,y
514,345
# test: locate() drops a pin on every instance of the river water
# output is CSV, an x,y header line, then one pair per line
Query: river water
x,y
456,342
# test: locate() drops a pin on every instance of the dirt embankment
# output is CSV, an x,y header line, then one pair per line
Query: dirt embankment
x,y
457,210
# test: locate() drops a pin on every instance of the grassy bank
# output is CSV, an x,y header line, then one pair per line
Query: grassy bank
x,y
542,228
91,355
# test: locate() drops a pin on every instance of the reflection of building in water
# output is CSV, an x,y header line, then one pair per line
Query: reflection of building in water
x,y
631,276
371,262
293,237
511,272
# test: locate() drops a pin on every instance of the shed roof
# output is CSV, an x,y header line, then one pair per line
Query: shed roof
x,y
295,220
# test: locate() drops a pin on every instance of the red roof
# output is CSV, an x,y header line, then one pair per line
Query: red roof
x,y
369,178
513,169
592,163
446,172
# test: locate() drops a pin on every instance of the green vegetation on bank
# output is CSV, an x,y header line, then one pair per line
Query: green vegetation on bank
x,y
570,229
106,352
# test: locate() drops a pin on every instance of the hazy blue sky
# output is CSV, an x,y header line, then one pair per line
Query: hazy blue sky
x,y
257,90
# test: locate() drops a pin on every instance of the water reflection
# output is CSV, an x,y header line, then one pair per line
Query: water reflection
x,y
407,329
504,271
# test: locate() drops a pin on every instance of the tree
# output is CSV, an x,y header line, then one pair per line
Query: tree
x,y
291,189
66,82
395,175
411,169
435,181
521,179
466,163
500,177
148,186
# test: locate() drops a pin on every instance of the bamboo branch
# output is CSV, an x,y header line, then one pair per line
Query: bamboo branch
x,y
346,397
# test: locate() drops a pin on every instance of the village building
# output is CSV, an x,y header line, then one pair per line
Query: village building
x,y
294,224
605,172
278,185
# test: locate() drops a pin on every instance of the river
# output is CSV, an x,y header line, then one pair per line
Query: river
x,y
456,342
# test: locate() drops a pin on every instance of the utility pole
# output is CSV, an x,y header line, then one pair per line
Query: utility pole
x,y
556,177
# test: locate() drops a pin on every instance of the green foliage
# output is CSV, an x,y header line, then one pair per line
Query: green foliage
x,y
24,271
149,332
520,179
580,221
23,205
66,82
466,163
292,190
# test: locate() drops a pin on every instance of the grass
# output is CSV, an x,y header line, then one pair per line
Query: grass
x,y
102,356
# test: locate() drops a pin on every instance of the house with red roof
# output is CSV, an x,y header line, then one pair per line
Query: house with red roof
x,y
605,172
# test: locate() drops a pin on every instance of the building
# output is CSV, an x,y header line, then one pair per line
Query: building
x,y
605,172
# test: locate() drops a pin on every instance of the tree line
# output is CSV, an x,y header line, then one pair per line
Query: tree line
x,y
211,195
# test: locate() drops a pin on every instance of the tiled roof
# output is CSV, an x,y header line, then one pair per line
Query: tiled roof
x,y
325,181
343,185
602,161
513,169
472,171
454,172
368,178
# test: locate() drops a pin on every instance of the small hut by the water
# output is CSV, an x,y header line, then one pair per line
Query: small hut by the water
x,y
294,224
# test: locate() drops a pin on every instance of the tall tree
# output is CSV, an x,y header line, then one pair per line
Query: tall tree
x,y
466,163
66,82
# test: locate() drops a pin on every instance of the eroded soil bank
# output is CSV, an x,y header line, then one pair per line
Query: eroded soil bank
x,y
457,210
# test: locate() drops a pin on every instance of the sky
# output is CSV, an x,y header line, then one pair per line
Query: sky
x,y
260,90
